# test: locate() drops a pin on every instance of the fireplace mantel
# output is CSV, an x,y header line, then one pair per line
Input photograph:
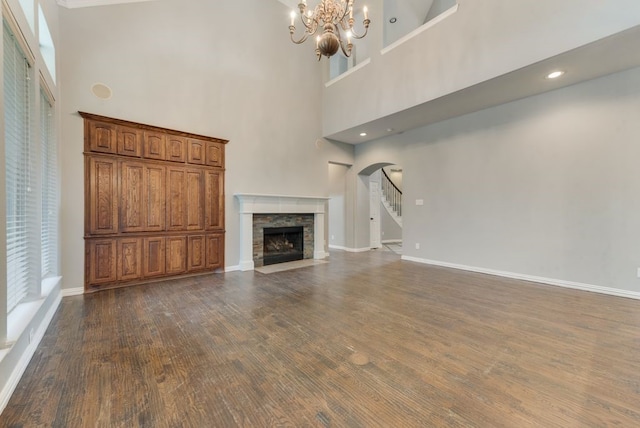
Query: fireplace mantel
x,y
278,204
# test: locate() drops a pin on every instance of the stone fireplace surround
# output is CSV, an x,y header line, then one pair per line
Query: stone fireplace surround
x,y
251,204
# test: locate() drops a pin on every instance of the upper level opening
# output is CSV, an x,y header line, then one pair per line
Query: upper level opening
x,y
401,17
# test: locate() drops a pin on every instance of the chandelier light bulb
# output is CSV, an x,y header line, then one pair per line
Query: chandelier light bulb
x,y
293,17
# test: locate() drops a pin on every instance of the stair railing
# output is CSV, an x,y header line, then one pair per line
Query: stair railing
x,y
392,193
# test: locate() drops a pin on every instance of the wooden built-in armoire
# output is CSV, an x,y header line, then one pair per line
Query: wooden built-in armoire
x,y
154,203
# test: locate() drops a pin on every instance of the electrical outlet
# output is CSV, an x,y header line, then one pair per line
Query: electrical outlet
x,y
419,201
333,237
638,273
417,246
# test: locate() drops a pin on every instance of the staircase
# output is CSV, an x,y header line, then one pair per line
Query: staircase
x,y
391,198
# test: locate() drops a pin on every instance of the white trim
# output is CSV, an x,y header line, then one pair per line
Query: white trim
x,y
347,73
232,268
392,241
542,280
349,250
72,4
68,292
420,29
26,356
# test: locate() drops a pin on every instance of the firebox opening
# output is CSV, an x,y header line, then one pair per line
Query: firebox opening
x,y
283,244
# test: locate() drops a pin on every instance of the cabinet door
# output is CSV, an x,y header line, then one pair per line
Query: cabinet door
x,y
176,148
154,197
195,199
132,192
100,263
214,200
154,145
196,253
196,153
176,255
176,198
102,137
129,141
129,259
215,154
215,251
102,195
154,257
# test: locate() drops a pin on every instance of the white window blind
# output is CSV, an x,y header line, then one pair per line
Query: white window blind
x,y
23,261
49,230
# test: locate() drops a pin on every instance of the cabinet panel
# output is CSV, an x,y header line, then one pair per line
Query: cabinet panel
x,y
101,261
176,148
154,257
129,259
214,200
102,200
196,253
176,255
154,194
196,152
155,145
215,251
129,141
154,203
194,201
102,137
176,188
132,207
215,154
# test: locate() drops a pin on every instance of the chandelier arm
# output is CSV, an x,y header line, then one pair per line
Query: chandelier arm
x,y
304,37
366,23
346,52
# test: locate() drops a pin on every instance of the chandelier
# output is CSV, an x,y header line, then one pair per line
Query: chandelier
x,y
334,17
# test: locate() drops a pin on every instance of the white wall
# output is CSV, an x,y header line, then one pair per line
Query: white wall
x,y
482,40
547,186
337,215
204,67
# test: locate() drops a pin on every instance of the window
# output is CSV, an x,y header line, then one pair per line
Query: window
x,y
49,229
21,177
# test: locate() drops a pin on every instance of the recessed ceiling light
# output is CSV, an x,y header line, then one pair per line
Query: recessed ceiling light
x,y
363,134
390,129
555,74
393,20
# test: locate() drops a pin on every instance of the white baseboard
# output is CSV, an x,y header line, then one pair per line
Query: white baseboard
x,y
68,292
232,268
392,241
542,280
27,354
319,255
350,250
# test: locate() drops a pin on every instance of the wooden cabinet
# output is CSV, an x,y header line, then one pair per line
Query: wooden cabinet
x,y
176,254
154,145
154,203
214,200
101,259
153,261
196,152
129,141
101,199
176,148
129,263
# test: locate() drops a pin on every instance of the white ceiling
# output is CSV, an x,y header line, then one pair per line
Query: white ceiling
x,y
70,4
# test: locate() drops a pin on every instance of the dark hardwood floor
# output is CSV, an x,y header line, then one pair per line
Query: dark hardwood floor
x,y
365,340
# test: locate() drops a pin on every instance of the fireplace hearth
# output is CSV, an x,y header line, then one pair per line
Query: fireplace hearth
x,y
283,244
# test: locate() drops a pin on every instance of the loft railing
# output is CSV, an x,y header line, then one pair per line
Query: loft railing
x,y
392,193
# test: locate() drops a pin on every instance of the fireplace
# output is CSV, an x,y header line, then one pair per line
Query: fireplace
x,y
283,244
263,211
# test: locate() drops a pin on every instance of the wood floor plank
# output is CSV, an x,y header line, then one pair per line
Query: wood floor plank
x,y
365,340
